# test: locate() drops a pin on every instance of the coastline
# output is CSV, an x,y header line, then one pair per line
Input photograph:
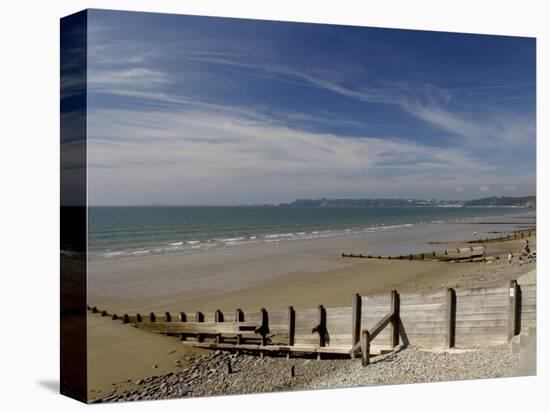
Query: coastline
x,y
170,281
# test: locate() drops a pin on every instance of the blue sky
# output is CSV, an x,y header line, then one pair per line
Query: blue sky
x,y
199,110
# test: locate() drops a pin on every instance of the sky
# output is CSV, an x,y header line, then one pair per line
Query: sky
x,y
186,110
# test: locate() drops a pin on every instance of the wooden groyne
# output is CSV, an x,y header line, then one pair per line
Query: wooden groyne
x,y
471,253
521,234
373,324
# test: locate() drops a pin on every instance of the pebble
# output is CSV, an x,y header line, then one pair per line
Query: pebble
x,y
253,374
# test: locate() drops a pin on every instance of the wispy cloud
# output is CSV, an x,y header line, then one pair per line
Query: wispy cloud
x,y
426,102
204,152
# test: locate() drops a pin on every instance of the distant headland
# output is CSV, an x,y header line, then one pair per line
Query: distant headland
x,y
494,201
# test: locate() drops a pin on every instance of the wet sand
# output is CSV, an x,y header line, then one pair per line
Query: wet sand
x,y
137,283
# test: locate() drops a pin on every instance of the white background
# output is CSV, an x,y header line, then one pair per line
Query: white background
x,y
29,191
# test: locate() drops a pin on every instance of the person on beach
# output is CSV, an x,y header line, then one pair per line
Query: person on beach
x,y
510,256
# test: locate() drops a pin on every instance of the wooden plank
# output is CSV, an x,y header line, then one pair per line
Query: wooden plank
x,y
408,318
300,339
463,311
502,316
480,341
528,300
197,328
417,298
411,331
280,348
481,331
484,323
483,300
434,307
380,325
278,317
466,303
482,291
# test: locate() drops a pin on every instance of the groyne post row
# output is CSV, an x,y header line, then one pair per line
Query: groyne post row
x,y
470,253
373,324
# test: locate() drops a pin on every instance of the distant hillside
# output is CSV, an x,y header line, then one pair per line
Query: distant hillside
x,y
522,201
382,202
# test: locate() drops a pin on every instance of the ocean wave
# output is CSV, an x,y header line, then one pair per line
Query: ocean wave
x,y
141,252
289,234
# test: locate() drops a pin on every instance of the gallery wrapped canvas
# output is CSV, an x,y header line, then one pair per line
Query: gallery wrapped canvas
x,y
257,206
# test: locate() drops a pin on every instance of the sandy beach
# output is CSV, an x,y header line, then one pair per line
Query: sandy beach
x,y
302,274
174,282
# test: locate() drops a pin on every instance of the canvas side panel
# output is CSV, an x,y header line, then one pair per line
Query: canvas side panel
x,y
73,38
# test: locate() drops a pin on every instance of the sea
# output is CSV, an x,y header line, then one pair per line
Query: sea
x,y
135,231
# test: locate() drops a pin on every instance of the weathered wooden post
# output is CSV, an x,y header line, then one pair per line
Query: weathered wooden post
x,y
264,328
239,318
291,326
139,319
104,313
394,332
199,318
292,371
167,317
322,328
513,310
239,315
114,317
450,318
183,318
125,319
94,310
218,318
322,325
356,320
365,347
152,317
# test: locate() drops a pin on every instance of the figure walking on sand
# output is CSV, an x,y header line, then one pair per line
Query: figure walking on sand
x,y
510,256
